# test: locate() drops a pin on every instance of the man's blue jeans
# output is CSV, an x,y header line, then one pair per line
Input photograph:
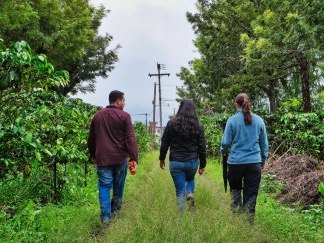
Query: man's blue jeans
x,y
113,176
183,175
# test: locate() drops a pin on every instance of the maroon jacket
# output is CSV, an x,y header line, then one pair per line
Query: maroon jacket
x,y
112,139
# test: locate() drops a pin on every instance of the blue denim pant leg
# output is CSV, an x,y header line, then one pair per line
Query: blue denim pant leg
x,y
183,174
191,170
120,173
111,177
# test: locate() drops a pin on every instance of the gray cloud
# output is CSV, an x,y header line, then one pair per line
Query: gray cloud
x,y
149,32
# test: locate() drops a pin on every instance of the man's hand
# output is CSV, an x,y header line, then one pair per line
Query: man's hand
x,y
162,164
201,171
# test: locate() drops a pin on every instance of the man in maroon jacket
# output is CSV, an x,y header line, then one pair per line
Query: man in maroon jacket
x,y
111,141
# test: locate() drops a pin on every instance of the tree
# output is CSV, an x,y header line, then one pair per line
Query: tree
x,y
259,47
66,31
286,41
21,71
218,25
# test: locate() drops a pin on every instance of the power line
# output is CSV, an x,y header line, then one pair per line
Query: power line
x,y
145,114
159,75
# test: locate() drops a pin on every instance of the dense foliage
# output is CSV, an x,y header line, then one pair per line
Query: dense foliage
x,y
272,50
143,139
214,127
40,134
21,70
43,145
67,32
301,133
290,132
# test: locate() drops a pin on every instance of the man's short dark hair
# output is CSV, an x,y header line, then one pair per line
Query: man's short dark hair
x,y
115,95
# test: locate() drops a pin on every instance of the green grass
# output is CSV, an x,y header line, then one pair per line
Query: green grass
x,y
150,214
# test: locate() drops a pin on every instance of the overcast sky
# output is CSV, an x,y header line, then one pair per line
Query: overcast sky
x,y
150,32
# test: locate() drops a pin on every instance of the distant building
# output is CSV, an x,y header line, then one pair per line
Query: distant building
x,y
155,130
152,128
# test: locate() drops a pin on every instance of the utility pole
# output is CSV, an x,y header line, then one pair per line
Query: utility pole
x,y
154,105
145,114
160,96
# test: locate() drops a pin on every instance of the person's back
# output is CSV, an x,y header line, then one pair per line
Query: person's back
x,y
114,135
247,142
182,147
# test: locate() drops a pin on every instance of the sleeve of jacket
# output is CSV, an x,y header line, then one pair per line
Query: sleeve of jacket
x,y
165,141
130,139
263,142
202,148
92,140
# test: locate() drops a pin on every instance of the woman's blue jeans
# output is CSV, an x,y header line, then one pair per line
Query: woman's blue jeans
x,y
183,175
114,177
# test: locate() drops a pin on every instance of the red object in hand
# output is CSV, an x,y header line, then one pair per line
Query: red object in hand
x,y
132,167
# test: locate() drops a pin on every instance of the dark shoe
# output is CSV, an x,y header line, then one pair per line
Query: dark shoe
x,y
190,201
250,219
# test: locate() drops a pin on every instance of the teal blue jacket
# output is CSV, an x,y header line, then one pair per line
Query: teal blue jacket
x,y
247,143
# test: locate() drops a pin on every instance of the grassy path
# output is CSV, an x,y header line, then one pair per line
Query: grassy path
x,y
150,214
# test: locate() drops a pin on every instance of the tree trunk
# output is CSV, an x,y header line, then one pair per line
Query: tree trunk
x,y
272,96
305,84
271,92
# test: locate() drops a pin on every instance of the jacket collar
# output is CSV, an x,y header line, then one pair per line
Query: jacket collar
x,y
239,110
113,106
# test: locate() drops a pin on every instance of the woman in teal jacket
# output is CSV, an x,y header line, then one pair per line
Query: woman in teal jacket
x,y
245,139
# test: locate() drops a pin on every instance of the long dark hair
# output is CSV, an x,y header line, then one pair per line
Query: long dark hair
x,y
243,101
186,121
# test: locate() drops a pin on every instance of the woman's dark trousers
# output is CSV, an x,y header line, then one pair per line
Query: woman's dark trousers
x,y
246,177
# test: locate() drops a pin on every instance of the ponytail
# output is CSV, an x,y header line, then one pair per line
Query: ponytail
x,y
243,101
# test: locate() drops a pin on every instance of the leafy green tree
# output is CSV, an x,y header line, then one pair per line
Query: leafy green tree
x,y
143,138
40,133
66,31
20,70
268,49
286,44
218,25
